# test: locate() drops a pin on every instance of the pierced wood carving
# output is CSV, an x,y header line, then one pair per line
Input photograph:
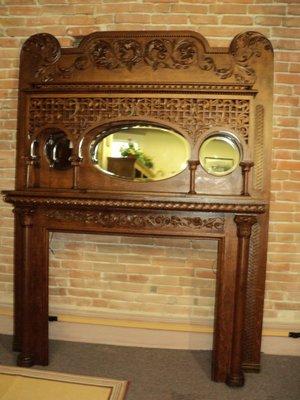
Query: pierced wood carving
x,y
193,115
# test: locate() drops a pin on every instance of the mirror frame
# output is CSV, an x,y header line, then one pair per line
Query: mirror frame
x,y
237,145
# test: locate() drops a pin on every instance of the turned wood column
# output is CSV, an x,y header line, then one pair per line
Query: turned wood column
x,y
75,162
33,164
246,167
193,164
244,225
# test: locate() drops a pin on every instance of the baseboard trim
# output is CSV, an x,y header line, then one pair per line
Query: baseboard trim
x,y
142,323
145,337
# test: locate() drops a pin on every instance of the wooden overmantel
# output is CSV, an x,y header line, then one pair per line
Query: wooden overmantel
x,y
173,80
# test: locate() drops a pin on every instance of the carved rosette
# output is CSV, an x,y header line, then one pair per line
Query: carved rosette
x,y
119,219
106,52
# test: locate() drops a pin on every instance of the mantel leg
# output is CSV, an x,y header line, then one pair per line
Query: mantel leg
x,y
18,279
244,224
32,291
224,306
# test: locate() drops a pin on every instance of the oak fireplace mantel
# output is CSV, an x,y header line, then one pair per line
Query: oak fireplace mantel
x,y
146,133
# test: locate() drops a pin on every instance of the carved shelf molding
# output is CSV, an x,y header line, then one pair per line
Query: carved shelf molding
x,y
134,204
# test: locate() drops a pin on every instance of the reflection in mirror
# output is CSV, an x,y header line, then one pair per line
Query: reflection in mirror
x,y
141,152
58,149
220,154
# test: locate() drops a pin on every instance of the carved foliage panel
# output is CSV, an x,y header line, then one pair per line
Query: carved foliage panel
x,y
175,51
139,220
192,115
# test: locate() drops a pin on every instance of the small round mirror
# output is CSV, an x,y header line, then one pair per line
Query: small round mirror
x,y
141,153
220,154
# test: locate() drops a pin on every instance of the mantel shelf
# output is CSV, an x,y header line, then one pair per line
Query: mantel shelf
x,y
232,204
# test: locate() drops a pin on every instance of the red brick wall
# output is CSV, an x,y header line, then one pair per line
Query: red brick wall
x,y
153,288
133,275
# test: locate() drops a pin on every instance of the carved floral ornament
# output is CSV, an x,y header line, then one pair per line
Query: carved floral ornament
x,y
119,219
170,52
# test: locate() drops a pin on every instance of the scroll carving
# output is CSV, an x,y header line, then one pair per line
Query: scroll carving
x,y
155,52
193,115
243,49
46,51
108,219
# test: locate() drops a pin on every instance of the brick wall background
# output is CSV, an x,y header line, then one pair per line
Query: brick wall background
x,y
153,276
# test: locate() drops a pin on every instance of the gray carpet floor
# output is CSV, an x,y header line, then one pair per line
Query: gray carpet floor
x,y
160,374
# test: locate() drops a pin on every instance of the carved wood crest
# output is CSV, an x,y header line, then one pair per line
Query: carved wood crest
x,y
157,50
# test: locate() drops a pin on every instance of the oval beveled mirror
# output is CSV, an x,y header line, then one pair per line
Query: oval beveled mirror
x,y
220,154
141,152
